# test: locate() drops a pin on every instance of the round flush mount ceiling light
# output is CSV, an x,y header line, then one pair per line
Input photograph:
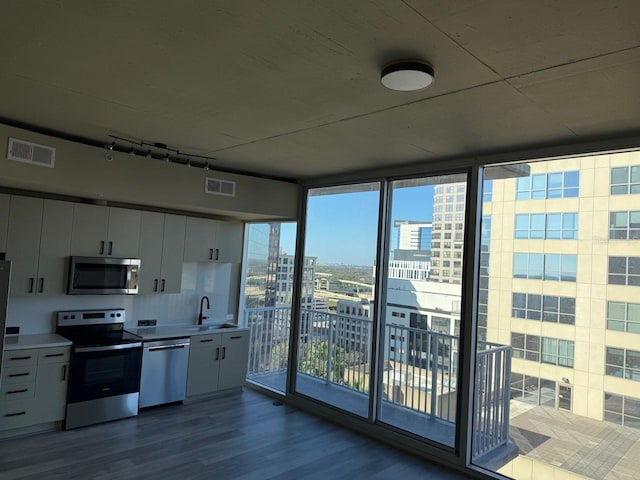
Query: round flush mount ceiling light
x,y
407,75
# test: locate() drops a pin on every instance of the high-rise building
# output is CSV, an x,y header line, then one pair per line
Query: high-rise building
x,y
562,247
448,232
413,235
285,280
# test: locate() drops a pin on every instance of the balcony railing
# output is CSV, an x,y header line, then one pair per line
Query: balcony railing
x,y
419,372
269,340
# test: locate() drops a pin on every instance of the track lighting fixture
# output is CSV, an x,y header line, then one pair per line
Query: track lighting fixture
x,y
159,151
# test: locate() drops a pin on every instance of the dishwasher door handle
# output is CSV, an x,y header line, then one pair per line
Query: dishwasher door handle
x,y
167,347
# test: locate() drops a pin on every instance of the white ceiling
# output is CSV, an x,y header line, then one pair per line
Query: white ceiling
x,y
291,88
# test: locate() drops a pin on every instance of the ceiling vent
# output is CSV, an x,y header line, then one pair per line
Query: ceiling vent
x,y
215,186
33,153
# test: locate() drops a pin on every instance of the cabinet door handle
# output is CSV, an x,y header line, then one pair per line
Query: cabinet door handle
x,y
155,285
41,287
17,391
217,254
102,247
64,373
110,248
224,352
218,353
50,355
14,414
162,288
19,374
31,282
211,254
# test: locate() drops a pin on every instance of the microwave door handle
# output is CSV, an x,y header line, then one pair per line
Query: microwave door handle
x,y
127,286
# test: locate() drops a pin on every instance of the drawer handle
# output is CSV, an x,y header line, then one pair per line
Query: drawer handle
x,y
50,355
17,391
20,358
235,338
14,414
18,374
207,340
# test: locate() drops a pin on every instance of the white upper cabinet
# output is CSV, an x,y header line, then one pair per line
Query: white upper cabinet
x,y
89,231
229,241
23,244
55,247
212,241
99,230
124,233
199,240
151,228
172,253
161,251
4,220
38,244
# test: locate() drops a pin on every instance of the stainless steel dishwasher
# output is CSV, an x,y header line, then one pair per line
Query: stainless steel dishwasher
x,y
164,371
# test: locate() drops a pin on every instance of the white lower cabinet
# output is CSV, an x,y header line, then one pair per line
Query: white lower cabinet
x,y
217,362
34,387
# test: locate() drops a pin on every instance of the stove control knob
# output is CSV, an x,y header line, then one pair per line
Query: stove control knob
x,y
66,317
113,315
118,315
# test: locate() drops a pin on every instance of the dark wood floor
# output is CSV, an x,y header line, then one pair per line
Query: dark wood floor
x,y
243,436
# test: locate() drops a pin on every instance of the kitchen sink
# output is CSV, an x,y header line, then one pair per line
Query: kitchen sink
x,y
208,328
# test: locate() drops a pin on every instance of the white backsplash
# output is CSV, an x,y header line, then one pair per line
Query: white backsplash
x,y
216,280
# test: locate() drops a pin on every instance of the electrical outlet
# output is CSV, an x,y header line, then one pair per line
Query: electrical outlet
x,y
147,323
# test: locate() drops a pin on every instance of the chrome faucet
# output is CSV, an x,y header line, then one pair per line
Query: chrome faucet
x,y
201,317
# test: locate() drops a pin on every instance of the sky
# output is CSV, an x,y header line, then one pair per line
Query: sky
x,y
342,228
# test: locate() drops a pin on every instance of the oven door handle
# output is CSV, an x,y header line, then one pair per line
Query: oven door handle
x,y
105,348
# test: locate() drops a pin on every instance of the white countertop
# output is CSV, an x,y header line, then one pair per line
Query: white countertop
x,y
46,340
176,331
39,340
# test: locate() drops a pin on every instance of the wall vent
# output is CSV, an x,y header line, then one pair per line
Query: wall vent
x,y
29,152
215,186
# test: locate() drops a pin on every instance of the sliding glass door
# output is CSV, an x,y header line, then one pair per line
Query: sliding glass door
x,y
420,329
336,300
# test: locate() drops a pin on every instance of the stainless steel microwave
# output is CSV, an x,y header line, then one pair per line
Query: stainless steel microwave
x,y
103,276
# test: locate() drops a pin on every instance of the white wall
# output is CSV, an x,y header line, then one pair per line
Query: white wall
x,y
217,281
83,171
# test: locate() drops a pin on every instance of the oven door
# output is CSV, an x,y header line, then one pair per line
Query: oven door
x,y
104,371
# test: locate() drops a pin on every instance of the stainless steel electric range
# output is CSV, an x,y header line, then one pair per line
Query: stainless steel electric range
x,y
106,360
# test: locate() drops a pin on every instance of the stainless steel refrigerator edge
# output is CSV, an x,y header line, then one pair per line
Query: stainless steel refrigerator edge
x,y
5,277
